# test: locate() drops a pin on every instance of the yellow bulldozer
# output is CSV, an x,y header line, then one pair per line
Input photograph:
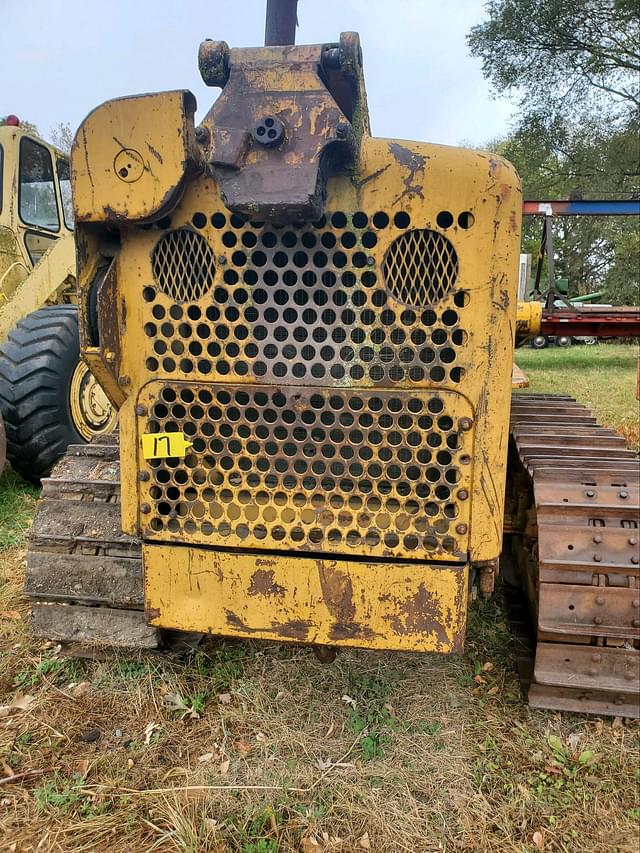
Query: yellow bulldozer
x,y
308,333
48,397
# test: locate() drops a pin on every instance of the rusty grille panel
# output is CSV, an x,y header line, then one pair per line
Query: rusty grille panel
x,y
420,267
310,305
183,265
372,472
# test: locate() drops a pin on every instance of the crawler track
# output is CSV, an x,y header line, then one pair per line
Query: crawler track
x,y
578,487
84,574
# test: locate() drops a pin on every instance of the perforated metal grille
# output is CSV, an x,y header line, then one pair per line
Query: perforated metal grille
x,y
309,305
183,265
420,267
382,473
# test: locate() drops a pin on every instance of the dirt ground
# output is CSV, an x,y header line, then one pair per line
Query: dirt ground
x,y
258,748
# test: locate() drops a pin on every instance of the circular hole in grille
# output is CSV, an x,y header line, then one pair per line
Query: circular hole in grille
x,y
183,265
420,267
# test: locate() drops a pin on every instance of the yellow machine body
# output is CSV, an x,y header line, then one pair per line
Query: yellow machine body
x,y
314,414
37,256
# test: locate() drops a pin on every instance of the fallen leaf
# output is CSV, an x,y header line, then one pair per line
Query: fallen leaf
x,y
7,770
148,732
175,702
280,695
574,739
330,730
80,689
480,680
11,614
552,770
487,667
310,844
224,767
493,690
21,702
129,763
82,768
203,759
224,698
242,746
538,839
349,701
364,842
261,737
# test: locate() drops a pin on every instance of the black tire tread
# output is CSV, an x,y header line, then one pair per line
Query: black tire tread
x,y
31,362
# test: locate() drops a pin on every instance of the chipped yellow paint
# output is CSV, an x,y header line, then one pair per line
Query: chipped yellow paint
x,y
401,606
130,156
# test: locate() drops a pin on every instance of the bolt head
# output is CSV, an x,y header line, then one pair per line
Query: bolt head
x,y
597,620
590,493
202,135
222,260
143,476
461,529
597,558
141,410
634,560
463,494
596,658
145,508
597,539
600,600
636,623
624,494
628,676
465,424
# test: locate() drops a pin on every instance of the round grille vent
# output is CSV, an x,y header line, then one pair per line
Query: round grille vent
x,y
420,267
183,265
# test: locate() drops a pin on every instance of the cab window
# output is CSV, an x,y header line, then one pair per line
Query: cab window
x,y
64,182
37,194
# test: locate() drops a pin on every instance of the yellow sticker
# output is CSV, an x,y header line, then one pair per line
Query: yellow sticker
x,y
160,445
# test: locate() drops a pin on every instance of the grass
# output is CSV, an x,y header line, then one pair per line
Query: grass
x,y
603,377
258,748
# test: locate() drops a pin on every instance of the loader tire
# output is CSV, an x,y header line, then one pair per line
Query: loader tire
x,y
40,377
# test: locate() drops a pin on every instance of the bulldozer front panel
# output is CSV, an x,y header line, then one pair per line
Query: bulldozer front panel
x,y
312,354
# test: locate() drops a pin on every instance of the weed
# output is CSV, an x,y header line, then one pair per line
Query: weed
x,y
371,716
60,794
55,669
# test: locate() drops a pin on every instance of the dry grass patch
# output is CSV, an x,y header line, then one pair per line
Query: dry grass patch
x,y
259,748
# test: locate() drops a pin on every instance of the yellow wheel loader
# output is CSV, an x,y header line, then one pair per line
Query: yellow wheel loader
x,y
48,396
308,332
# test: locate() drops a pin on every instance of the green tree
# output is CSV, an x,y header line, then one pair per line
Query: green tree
x,y
563,56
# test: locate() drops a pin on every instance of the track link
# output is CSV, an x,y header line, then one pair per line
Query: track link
x,y
578,554
84,574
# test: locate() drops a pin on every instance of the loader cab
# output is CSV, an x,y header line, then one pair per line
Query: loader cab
x,y
35,202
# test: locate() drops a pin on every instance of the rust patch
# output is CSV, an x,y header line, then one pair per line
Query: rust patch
x,y
337,592
296,629
263,583
413,163
350,631
151,613
420,614
236,622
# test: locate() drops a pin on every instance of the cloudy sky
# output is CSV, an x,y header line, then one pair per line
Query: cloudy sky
x,y
60,58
